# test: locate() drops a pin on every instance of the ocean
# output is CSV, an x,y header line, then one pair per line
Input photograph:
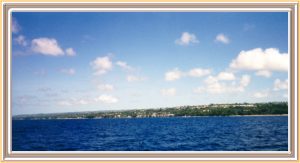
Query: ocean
x,y
232,133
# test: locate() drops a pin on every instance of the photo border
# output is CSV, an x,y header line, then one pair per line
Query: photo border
x,y
291,7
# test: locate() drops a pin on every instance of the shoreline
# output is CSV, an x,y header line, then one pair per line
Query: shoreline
x,y
266,115
256,115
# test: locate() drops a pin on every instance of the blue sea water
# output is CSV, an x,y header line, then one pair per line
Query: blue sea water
x,y
241,133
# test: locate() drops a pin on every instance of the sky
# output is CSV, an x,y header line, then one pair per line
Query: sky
x,y
69,62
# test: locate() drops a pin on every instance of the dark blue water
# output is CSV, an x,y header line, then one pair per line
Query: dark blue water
x,y
254,133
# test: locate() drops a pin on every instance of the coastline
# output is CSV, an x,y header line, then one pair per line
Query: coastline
x,y
256,115
212,110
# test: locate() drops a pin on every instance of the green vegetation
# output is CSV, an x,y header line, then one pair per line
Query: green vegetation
x,y
272,108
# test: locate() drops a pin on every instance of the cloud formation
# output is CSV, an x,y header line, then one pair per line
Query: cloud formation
x,y
222,38
214,85
124,66
260,94
174,74
70,52
134,78
106,87
281,85
101,65
65,103
187,39
226,76
15,27
198,72
73,102
245,81
261,60
168,92
23,100
107,99
20,40
46,46
264,73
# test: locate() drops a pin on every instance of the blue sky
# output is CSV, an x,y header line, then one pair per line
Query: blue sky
x,y
65,62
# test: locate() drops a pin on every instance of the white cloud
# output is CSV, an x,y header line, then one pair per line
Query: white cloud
x,y
106,87
198,72
199,90
245,80
210,79
280,85
187,39
261,60
46,46
176,74
226,76
168,92
25,100
264,73
133,78
20,40
214,85
261,94
73,102
65,103
83,102
124,66
70,52
101,65
130,78
172,75
69,71
108,99
15,27
216,88
222,38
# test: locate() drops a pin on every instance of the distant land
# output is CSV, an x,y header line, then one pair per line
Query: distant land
x,y
270,108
